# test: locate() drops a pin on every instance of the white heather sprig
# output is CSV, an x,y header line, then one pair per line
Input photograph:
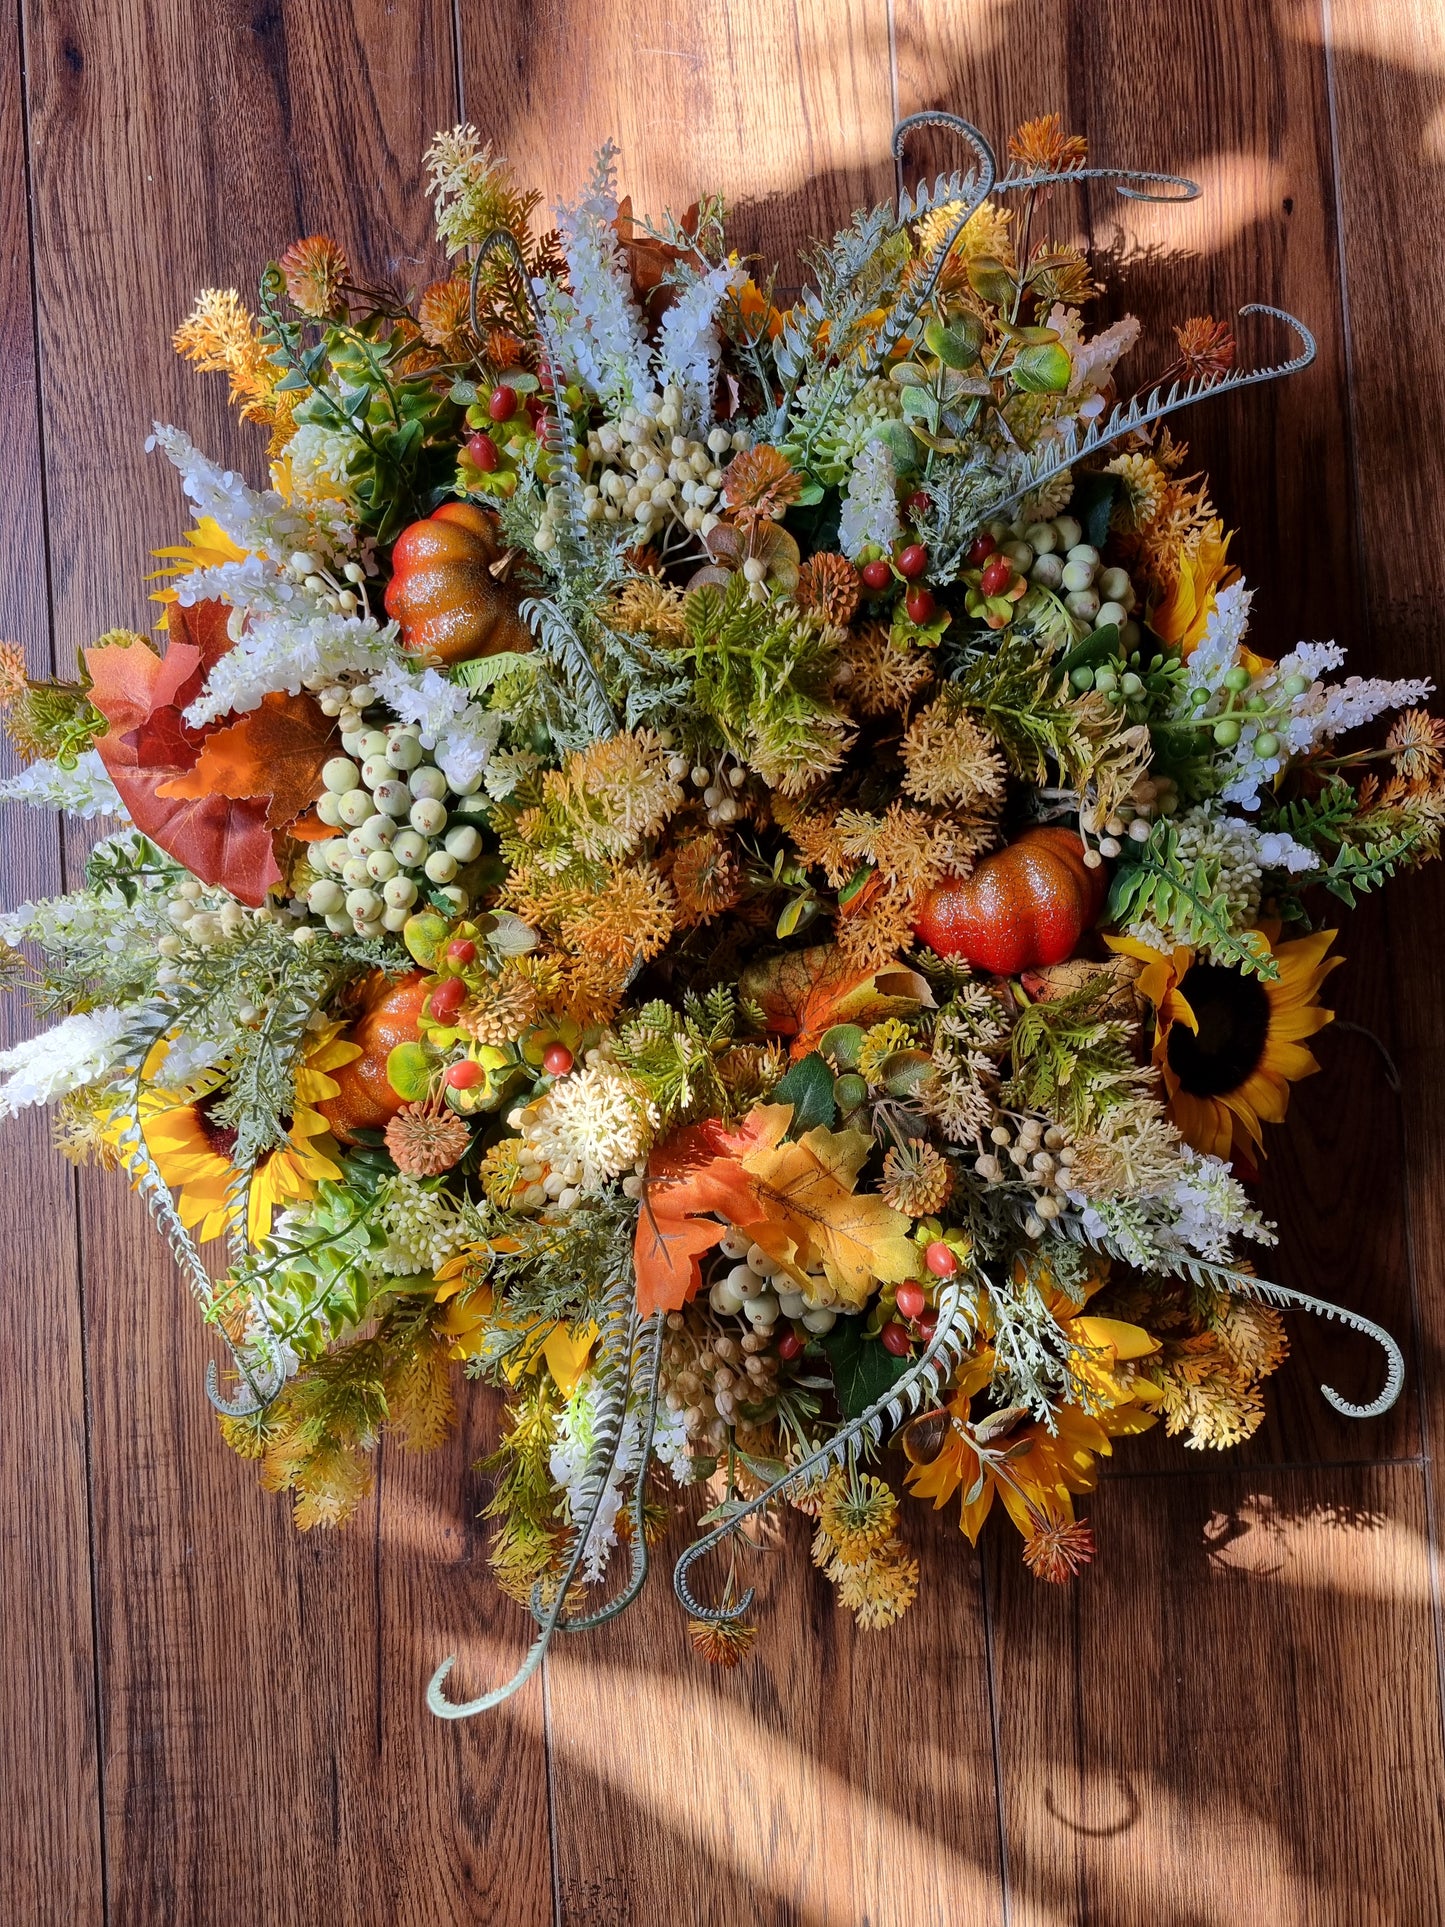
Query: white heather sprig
x,y
1224,631
283,652
259,520
870,503
602,335
457,729
84,790
76,1051
688,345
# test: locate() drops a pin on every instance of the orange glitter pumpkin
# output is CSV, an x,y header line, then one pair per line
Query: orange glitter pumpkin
x,y
388,1017
1023,907
443,593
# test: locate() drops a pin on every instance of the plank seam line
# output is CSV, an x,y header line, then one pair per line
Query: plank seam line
x,y
22,50
1225,1469
996,1739
893,90
552,1852
1327,26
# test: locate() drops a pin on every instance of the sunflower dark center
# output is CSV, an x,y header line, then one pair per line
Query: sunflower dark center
x,y
1233,1013
220,1138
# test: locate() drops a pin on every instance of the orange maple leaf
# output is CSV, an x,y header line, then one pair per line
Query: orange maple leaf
x,y
148,744
803,993
276,751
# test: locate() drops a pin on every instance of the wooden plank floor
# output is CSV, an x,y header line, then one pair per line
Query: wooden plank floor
x,y
1237,1714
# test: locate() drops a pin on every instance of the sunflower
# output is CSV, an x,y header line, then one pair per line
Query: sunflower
x,y
1044,1466
1182,616
192,1148
1228,1046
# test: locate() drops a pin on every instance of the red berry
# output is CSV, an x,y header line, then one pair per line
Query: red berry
x,y
912,561
462,951
927,1327
462,1076
483,451
941,1259
556,1060
918,501
876,575
502,404
920,605
447,999
997,575
789,1345
981,548
910,1300
895,1339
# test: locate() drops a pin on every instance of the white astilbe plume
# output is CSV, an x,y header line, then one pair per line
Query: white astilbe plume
x,y
75,1052
259,520
84,790
284,652
870,504
688,345
1224,631
460,733
601,332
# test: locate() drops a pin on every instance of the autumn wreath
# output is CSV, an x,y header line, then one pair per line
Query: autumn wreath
x,y
727,866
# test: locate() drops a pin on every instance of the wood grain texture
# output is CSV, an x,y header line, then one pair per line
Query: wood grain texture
x,y
1231,1721
782,1792
1387,70
51,1842
1237,1713
247,1695
784,105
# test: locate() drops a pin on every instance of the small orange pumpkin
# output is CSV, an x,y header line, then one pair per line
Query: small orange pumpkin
x,y
443,593
1023,907
388,1017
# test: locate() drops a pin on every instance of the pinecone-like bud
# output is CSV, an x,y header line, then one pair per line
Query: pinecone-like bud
x,y
425,1143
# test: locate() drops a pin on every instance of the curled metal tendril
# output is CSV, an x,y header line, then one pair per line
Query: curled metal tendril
x,y
1126,418
1243,1284
637,1547
1015,182
956,124
599,1473
936,1363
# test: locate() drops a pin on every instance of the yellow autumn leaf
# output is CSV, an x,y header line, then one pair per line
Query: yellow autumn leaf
x,y
812,1216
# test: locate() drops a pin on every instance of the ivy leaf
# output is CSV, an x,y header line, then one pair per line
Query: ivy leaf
x,y
808,1087
864,1370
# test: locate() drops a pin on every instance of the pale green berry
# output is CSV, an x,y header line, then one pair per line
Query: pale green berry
x,y
441,866
408,848
340,775
428,817
381,865
324,897
463,842
400,893
427,781
393,797
356,806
